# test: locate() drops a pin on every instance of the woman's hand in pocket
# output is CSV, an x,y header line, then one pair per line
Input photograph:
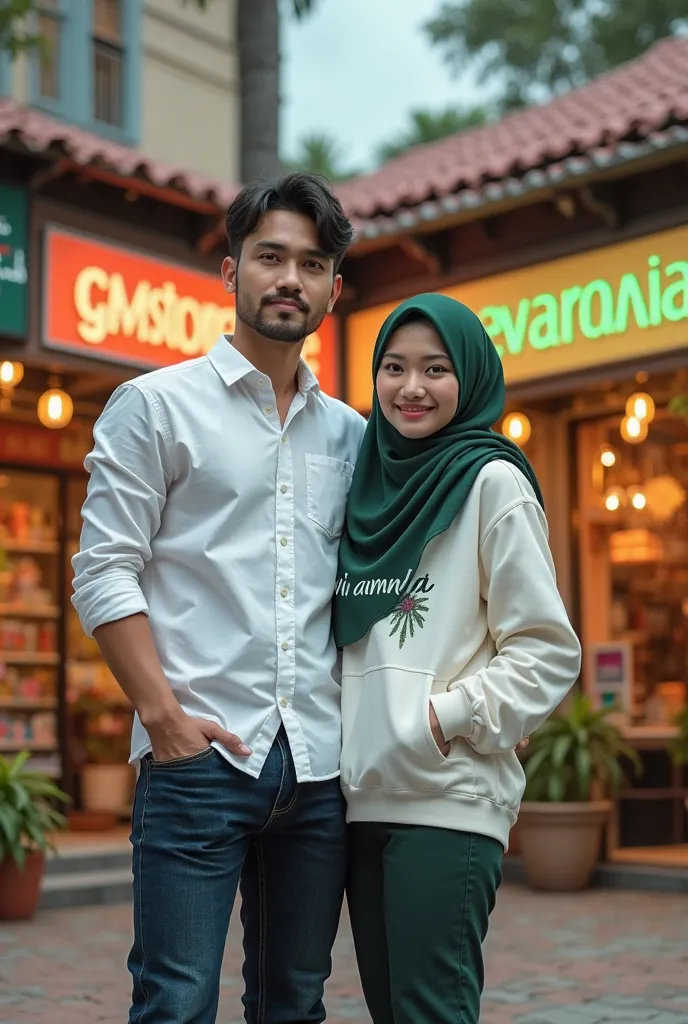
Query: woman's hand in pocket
x,y
437,733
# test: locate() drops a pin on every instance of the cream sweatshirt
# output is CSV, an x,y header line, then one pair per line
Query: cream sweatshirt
x,y
481,631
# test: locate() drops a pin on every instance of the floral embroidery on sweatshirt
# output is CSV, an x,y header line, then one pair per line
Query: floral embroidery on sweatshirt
x,y
408,615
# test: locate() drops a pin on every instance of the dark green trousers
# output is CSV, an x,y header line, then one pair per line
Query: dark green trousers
x,y
420,899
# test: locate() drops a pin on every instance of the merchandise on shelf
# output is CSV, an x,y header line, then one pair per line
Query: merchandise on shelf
x,y
23,522
27,635
19,728
25,584
26,683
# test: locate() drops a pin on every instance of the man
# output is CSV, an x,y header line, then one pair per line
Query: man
x,y
207,564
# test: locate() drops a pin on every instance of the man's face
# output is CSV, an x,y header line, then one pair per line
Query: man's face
x,y
284,283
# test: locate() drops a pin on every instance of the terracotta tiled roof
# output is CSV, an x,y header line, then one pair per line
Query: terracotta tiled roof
x,y
37,132
625,114
630,104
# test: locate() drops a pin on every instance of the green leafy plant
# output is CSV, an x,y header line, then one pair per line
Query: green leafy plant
x,y
678,748
679,406
575,753
28,812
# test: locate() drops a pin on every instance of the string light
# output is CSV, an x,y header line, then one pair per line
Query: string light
x,y
614,499
607,456
640,406
633,430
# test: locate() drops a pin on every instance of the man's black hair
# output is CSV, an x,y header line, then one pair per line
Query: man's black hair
x,y
299,192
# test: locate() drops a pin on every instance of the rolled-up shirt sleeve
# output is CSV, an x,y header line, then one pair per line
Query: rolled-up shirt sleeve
x,y
130,473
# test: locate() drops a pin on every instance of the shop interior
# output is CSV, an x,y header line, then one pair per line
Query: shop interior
x,y
58,700
628,529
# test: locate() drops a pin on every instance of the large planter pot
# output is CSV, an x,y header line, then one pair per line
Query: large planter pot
x,y
106,787
20,889
560,843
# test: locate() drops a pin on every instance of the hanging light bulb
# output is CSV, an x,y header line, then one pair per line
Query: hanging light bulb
x,y
614,498
633,430
55,407
637,498
11,374
517,428
641,406
607,456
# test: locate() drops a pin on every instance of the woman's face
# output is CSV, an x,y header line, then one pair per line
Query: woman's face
x,y
416,385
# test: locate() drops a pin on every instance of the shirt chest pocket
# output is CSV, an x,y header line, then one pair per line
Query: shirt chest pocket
x,y
327,488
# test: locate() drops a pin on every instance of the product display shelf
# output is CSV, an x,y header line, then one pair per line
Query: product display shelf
x,y
30,657
30,547
30,614
28,704
16,610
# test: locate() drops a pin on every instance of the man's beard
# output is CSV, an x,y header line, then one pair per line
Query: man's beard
x,y
286,330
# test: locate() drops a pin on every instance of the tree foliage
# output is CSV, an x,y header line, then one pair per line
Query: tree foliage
x,y
544,47
322,155
430,126
16,35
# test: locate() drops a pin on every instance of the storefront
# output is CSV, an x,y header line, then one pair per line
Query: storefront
x,y
103,310
595,353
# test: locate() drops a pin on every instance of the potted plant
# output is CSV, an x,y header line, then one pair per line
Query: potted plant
x,y
106,776
573,768
678,748
28,817
679,745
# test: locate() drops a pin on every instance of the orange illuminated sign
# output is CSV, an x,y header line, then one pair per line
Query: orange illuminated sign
x,y
114,303
622,302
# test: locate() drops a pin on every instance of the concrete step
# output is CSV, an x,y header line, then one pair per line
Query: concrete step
x,y
76,861
85,888
633,877
87,873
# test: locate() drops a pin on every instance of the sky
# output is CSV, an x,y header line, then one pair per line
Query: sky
x,y
354,69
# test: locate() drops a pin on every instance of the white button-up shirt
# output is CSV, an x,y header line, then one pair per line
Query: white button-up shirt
x,y
220,524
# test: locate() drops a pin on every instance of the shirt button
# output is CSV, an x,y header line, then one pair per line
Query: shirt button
x,y
284,542
284,488
267,410
284,591
284,438
285,646
284,702
260,380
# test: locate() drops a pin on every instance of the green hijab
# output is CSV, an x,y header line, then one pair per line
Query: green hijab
x,y
406,491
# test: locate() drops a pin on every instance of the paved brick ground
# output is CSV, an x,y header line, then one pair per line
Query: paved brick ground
x,y
585,959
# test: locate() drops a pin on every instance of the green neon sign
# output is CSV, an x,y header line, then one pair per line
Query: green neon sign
x,y
595,310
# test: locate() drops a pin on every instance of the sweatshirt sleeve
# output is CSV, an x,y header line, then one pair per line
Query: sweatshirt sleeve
x,y
538,654
127,490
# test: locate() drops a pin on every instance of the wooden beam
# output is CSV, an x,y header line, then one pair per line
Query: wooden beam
x,y
419,252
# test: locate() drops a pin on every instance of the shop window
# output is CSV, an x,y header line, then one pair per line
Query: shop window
x,y
58,700
90,73
633,543
30,612
635,556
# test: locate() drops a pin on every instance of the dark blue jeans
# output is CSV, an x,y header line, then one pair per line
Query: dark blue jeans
x,y
201,827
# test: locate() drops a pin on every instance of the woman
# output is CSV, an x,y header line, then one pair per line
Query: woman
x,y
456,646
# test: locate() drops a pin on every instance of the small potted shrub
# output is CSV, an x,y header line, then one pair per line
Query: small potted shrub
x,y
28,817
678,748
679,745
573,767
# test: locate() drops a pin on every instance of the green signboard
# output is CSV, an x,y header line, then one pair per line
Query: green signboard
x,y
14,274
